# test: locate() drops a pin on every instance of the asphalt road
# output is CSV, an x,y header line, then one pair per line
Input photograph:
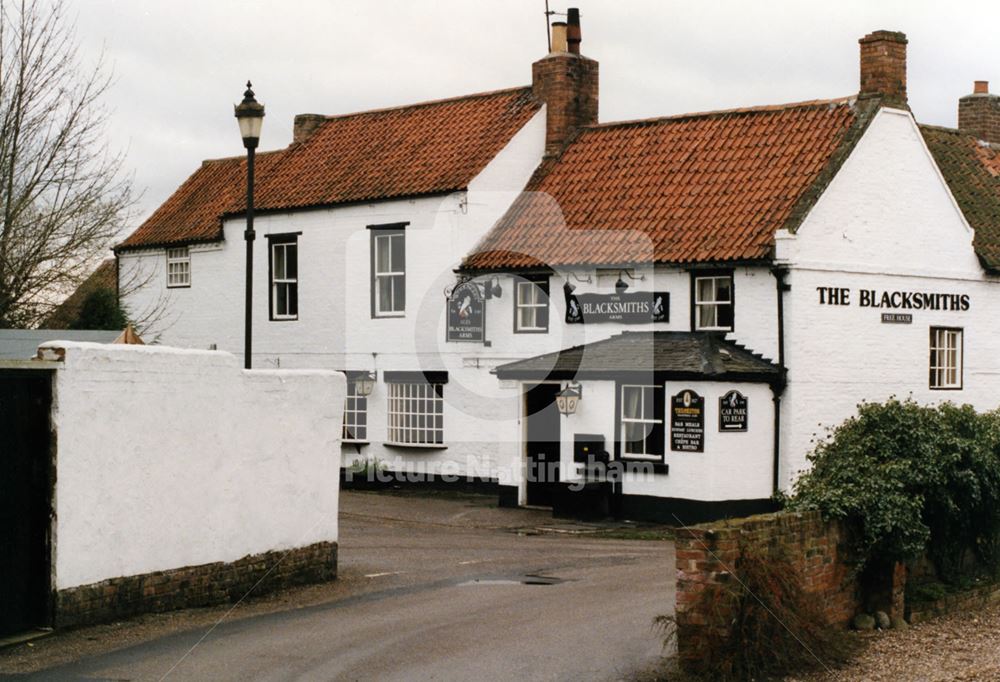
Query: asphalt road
x,y
442,589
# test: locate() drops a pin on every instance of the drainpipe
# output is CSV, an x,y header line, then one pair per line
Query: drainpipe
x,y
778,386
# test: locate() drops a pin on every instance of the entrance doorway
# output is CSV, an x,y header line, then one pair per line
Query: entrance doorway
x,y
542,443
25,500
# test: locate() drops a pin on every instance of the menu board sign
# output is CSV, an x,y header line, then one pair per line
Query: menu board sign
x,y
687,422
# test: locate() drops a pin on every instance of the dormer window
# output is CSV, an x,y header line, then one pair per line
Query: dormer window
x,y
712,308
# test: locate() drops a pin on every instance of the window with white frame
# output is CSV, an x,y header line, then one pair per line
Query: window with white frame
x,y
713,302
388,272
355,413
946,358
642,414
284,278
178,267
416,413
531,305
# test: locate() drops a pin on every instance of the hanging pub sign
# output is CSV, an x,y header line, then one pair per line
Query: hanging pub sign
x,y
733,412
466,314
687,422
636,307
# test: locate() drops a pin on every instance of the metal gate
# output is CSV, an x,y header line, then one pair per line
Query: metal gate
x,y
25,499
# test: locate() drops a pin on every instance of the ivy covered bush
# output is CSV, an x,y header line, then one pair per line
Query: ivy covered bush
x,y
912,480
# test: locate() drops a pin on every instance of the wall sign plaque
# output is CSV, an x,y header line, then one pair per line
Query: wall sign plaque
x,y
733,412
687,422
466,314
637,307
897,318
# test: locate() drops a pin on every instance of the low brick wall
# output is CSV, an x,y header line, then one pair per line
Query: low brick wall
x,y
193,586
975,598
708,554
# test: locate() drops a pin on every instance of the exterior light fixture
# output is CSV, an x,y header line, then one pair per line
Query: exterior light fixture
x,y
364,384
497,289
250,115
621,285
568,399
568,288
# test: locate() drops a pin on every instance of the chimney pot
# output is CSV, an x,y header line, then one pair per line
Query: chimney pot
x,y
573,34
981,88
559,36
883,66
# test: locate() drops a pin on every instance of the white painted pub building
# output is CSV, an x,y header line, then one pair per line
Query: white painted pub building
x,y
710,291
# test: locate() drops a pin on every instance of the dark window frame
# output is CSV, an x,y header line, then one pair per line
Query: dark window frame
x,y
542,282
272,240
377,231
716,272
658,466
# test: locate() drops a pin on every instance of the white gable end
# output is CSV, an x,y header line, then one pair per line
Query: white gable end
x,y
888,209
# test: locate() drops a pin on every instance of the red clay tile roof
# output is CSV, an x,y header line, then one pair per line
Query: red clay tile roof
x,y
972,171
422,149
709,187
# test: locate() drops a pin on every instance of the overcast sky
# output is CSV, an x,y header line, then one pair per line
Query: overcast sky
x,y
180,65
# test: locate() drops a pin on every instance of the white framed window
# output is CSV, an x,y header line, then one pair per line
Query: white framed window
x,y
946,358
531,305
388,272
642,415
284,278
416,413
178,267
713,302
355,414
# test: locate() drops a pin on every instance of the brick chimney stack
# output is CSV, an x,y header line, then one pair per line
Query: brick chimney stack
x,y
883,67
979,113
568,84
305,125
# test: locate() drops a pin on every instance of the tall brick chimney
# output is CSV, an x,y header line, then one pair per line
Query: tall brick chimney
x,y
568,84
979,113
883,67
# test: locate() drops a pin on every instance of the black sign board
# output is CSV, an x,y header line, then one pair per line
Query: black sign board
x,y
687,422
733,412
897,318
466,314
637,307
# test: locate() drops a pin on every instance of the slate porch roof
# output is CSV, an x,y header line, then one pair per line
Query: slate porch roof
x,y
421,149
710,187
674,355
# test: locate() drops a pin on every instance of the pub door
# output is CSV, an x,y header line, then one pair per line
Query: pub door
x,y
25,500
542,443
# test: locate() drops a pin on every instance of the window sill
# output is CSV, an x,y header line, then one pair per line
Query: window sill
x,y
531,331
416,446
388,316
352,441
658,467
283,319
178,286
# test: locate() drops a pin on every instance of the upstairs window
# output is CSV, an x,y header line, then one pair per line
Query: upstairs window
x,y
642,414
178,267
531,305
388,260
713,302
946,358
284,267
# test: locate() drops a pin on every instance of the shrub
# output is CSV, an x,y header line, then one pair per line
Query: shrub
x,y
911,479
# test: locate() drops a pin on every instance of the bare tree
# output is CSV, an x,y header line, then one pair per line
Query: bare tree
x,y
62,196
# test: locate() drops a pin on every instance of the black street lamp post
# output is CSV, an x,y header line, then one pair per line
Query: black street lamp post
x,y
250,115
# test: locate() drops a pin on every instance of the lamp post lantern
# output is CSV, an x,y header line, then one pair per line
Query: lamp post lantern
x,y
568,399
250,115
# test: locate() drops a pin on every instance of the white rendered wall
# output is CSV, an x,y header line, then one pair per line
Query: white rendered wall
x,y
886,223
734,466
169,458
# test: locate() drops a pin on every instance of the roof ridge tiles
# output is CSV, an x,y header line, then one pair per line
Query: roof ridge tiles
x,y
428,103
719,113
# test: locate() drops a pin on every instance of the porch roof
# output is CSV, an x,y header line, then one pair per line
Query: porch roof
x,y
694,356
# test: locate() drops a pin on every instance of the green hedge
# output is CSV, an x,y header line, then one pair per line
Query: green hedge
x,y
912,480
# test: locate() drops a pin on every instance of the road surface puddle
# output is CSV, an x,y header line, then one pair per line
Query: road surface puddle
x,y
521,580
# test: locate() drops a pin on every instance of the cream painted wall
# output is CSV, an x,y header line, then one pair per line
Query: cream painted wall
x,y
169,458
